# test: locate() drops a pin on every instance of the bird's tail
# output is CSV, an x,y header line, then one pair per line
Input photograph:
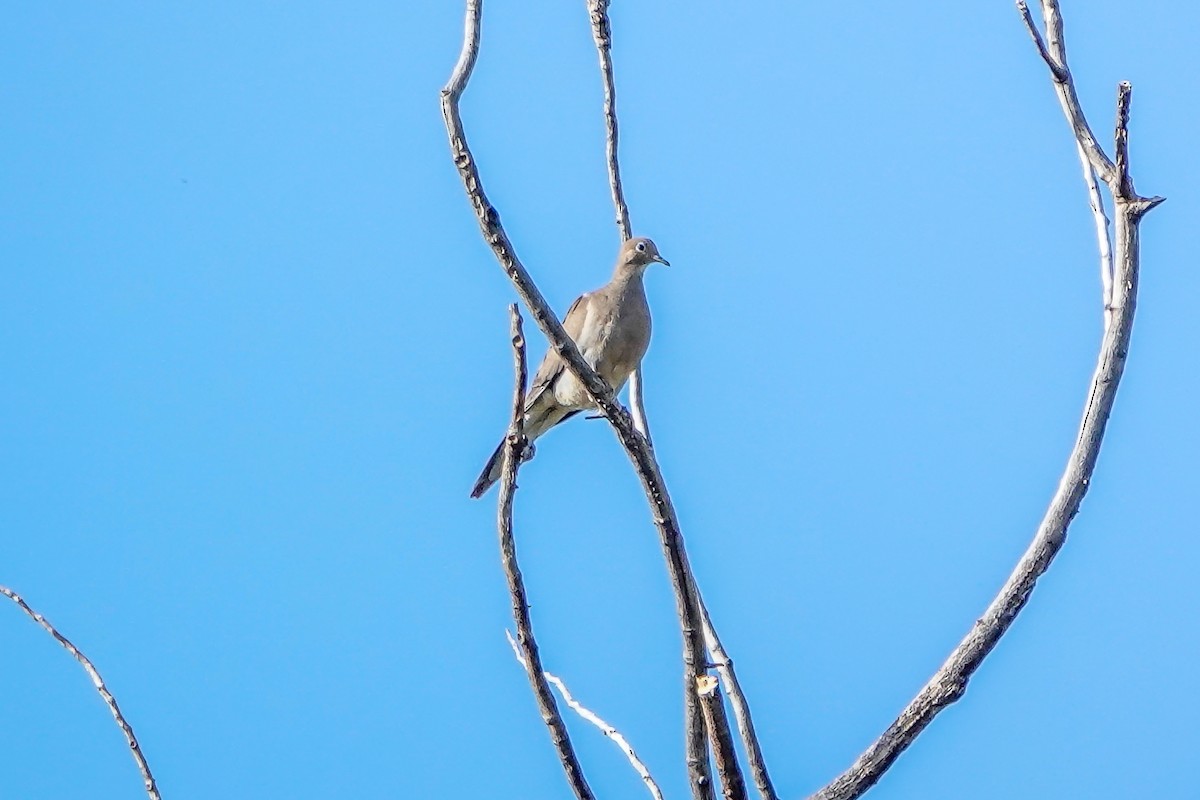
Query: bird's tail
x,y
533,429
491,472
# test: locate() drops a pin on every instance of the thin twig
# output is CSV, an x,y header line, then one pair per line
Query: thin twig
x,y
514,444
602,34
608,730
950,681
1104,244
135,749
1057,70
635,445
637,405
733,785
737,699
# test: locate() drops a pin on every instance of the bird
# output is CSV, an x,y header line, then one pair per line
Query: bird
x,y
611,328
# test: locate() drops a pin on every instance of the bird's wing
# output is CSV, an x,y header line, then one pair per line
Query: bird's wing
x,y
552,365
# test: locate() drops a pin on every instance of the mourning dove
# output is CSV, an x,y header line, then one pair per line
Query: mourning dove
x,y
611,328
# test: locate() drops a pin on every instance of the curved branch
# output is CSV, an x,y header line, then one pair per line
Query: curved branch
x,y
134,748
950,681
494,233
514,446
635,445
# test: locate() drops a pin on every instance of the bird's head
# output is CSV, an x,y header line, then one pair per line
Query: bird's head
x,y
639,253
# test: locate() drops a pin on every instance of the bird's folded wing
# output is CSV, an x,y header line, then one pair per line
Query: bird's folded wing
x,y
552,366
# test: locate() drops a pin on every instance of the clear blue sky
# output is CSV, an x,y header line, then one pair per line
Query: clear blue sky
x,y
255,352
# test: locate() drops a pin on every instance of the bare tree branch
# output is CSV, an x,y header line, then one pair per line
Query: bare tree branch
x,y
1121,147
634,443
608,730
1054,53
1057,70
1104,243
637,405
514,446
737,698
1061,75
733,786
134,748
602,34
950,681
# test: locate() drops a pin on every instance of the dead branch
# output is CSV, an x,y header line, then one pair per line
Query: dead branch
x,y
950,681
733,786
602,35
134,748
609,731
634,443
737,699
514,446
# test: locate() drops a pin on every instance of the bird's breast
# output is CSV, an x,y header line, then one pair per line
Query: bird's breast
x,y
613,340
626,337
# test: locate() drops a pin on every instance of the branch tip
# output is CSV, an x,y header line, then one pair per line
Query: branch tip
x,y
1140,206
1058,71
602,35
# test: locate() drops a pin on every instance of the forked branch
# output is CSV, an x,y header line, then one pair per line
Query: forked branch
x,y
1053,50
950,681
634,443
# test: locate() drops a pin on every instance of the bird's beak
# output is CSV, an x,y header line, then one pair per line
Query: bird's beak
x,y
662,261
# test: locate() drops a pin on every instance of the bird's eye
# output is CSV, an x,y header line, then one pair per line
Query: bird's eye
x,y
641,247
